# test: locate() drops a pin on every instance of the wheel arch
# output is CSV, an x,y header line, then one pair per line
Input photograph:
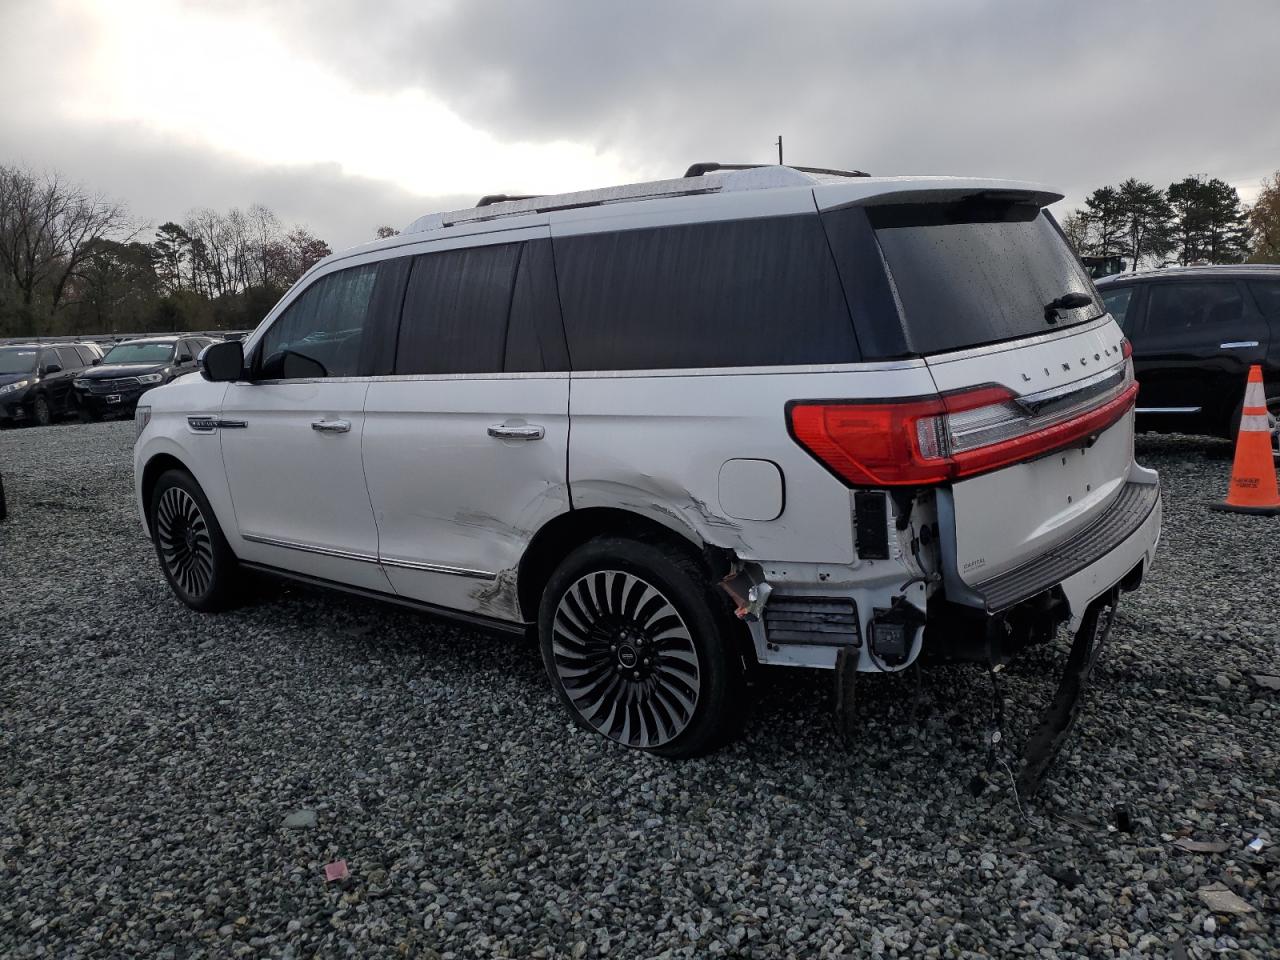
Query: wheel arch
x,y
564,533
151,473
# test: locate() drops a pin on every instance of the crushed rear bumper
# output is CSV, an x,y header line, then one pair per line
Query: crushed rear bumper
x,y
1088,564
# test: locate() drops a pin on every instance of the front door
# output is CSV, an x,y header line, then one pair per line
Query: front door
x,y
291,437
466,443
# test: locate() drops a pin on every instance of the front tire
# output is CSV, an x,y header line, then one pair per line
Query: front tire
x,y
41,412
639,648
193,553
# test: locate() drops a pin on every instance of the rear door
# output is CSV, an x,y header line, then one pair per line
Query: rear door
x,y
466,440
1193,347
291,435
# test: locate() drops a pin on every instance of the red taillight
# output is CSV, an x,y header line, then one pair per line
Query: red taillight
x,y
929,440
871,444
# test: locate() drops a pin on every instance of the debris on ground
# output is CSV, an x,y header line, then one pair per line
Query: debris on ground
x,y
150,756
336,871
1221,900
1200,846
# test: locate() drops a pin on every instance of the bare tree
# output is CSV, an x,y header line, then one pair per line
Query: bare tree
x,y
1076,229
49,228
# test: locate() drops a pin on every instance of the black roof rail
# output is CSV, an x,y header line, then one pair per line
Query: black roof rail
x,y
491,198
699,169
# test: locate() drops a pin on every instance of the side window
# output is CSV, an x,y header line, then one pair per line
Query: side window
x,y
48,357
1267,293
87,356
320,334
1117,303
69,359
1187,307
761,292
456,310
186,351
535,335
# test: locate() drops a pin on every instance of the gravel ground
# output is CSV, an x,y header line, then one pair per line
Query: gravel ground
x,y
174,784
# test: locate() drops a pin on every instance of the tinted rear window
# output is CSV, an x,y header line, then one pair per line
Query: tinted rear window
x,y
971,273
1175,307
456,310
761,292
1267,293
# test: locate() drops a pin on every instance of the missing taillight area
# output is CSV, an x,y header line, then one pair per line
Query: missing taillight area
x,y
924,441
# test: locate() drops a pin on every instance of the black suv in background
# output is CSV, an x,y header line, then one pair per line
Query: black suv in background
x,y
1195,332
36,378
132,368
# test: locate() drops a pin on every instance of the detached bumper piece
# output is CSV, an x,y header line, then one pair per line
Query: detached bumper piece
x,y
1045,743
1126,515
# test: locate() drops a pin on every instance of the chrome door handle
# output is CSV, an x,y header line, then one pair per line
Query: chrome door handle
x,y
331,426
531,431
1238,344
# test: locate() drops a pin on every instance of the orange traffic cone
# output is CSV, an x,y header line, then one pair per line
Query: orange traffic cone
x,y
1253,475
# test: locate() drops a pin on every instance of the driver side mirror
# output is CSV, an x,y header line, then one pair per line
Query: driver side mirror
x,y
96,361
52,368
222,362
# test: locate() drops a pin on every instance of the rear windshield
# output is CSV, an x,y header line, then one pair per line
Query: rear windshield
x,y
971,273
140,353
17,360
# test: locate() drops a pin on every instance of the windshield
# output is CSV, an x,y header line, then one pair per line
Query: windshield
x,y
973,273
140,353
17,360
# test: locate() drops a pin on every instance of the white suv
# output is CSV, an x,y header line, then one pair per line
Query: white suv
x,y
748,416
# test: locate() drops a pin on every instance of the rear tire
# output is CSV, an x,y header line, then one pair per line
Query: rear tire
x,y
194,555
640,649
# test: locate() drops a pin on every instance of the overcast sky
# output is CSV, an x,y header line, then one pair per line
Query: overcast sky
x,y
345,115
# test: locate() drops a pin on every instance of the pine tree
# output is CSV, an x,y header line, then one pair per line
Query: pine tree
x,y
1209,221
1105,225
1147,221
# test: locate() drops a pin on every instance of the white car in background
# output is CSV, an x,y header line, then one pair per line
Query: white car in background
x,y
761,415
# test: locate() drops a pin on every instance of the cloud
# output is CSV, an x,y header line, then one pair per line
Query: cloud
x,y
344,116
161,179
1077,95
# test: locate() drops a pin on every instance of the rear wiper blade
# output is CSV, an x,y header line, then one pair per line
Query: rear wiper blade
x,y
1068,301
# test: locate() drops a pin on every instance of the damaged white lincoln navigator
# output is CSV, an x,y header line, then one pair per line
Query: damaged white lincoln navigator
x,y
748,416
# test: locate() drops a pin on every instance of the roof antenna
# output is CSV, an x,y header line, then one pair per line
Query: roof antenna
x,y
779,149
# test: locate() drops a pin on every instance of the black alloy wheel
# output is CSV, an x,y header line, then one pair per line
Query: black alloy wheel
x,y
640,648
625,657
41,412
185,546
193,553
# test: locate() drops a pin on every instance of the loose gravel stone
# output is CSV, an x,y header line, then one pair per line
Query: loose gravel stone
x,y
151,756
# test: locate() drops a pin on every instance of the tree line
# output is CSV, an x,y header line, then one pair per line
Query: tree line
x,y
1197,219
75,262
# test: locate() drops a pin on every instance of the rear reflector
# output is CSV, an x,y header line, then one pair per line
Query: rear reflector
x,y
921,441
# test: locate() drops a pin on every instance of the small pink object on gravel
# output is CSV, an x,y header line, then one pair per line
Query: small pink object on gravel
x,y
336,871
